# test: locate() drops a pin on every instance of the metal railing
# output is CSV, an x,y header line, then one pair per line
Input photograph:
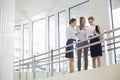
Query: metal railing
x,y
49,61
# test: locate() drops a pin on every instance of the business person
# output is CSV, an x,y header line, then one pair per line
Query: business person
x,y
96,50
82,35
71,37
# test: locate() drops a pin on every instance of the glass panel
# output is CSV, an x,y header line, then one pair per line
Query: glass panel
x,y
52,32
17,49
116,20
53,40
39,44
39,33
80,10
62,29
26,41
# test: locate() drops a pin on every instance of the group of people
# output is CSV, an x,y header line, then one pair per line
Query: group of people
x,y
80,33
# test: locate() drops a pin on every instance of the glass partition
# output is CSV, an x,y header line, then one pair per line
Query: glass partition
x,y
17,44
80,10
115,4
39,34
62,37
26,37
52,32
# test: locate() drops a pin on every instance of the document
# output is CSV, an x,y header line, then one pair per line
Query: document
x,y
90,31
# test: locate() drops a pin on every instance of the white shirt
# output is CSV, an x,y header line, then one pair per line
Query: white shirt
x,y
82,35
70,33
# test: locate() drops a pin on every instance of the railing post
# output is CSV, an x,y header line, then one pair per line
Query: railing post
x,y
75,54
34,66
52,63
19,69
27,70
47,71
63,66
48,66
106,57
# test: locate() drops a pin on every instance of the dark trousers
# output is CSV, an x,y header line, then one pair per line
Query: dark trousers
x,y
79,52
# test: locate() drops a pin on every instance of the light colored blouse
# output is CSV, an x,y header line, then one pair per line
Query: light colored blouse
x,y
83,33
70,33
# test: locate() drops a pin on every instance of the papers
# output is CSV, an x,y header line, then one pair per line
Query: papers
x,y
82,35
90,31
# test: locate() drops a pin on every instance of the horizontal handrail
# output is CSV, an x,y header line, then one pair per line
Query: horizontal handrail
x,y
82,56
90,38
33,57
70,45
65,59
68,51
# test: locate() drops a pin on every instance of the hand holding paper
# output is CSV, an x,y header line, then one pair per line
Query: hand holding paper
x,y
90,31
77,33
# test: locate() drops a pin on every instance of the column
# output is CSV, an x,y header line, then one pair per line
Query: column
x,y
7,8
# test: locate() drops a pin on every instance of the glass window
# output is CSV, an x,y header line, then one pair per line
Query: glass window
x,y
80,10
39,42
52,32
17,49
39,36
62,33
116,22
26,37
62,28
53,39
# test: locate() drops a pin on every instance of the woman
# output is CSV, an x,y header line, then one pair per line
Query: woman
x,y
71,31
96,50
82,36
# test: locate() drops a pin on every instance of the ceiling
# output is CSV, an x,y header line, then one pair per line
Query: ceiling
x,y
25,9
29,8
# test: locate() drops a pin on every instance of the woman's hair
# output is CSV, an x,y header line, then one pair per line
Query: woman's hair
x,y
72,20
91,18
81,25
